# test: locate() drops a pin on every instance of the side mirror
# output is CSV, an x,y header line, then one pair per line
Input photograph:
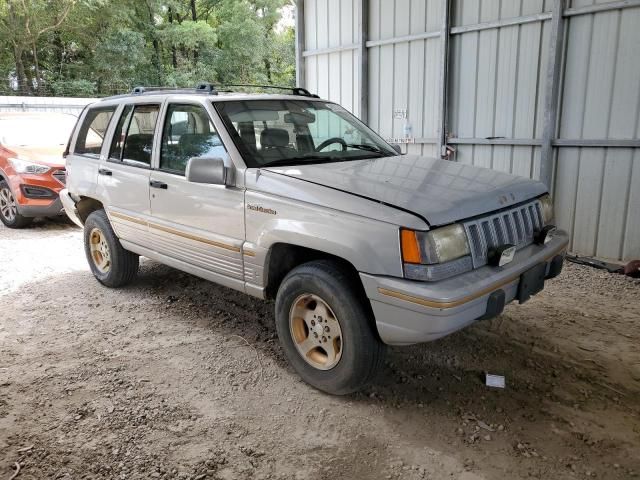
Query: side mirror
x,y
397,148
206,170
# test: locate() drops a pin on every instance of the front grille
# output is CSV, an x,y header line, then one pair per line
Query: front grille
x,y
515,226
61,176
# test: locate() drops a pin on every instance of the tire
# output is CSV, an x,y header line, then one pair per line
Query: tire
x,y
110,263
9,214
348,363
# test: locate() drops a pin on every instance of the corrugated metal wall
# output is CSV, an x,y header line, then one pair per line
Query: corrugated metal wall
x,y
496,85
598,189
330,24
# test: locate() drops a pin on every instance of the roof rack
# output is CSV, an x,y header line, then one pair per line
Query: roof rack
x,y
210,89
303,92
203,87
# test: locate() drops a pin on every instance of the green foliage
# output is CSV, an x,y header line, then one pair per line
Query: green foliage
x,y
101,47
122,54
73,88
188,35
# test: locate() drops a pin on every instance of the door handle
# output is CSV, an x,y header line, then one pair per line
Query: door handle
x,y
157,184
104,171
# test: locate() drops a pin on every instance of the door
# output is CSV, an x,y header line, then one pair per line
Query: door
x,y
199,226
123,178
84,160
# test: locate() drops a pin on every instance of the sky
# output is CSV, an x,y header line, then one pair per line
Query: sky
x,y
288,18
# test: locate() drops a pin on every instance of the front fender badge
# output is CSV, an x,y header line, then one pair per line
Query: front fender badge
x,y
501,255
261,209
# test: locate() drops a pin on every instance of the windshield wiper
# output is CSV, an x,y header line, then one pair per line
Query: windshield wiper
x,y
369,148
300,160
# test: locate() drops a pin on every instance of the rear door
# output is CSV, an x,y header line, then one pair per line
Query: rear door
x,y
88,144
123,177
199,226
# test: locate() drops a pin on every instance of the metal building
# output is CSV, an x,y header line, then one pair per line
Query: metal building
x,y
544,88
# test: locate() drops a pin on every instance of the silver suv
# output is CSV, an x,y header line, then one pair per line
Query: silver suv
x,y
292,198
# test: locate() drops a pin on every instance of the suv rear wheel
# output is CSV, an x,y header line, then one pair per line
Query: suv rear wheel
x,y
110,263
325,329
9,209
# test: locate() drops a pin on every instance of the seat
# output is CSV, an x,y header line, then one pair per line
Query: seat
x,y
275,143
138,147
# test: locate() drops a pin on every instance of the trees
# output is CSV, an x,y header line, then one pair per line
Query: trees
x,y
95,47
22,25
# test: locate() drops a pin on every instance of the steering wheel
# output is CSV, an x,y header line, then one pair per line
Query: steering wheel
x,y
330,141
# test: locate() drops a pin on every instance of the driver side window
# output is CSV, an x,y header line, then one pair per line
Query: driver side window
x,y
188,132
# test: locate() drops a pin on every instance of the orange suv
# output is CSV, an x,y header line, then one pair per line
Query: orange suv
x,y
32,171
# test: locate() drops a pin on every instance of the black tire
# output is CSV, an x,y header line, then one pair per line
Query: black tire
x,y
362,352
122,264
13,219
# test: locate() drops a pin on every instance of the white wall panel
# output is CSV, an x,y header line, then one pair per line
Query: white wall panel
x,y
594,194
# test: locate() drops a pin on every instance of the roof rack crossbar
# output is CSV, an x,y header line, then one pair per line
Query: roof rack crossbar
x,y
202,87
303,92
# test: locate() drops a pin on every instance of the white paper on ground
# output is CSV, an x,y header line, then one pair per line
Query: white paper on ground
x,y
496,381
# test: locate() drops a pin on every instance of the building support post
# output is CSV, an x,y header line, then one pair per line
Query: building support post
x,y
444,78
363,54
552,94
300,35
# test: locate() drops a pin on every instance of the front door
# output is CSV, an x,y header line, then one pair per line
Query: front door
x,y
199,226
123,178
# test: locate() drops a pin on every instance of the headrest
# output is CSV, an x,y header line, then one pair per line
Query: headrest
x,y
140,139
274,137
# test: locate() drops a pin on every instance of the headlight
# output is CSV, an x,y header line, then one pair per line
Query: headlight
x,y
547,209
436,246
26,166
435,255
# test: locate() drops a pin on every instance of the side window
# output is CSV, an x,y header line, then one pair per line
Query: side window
x,y
133,139
188,132
115,152
92,132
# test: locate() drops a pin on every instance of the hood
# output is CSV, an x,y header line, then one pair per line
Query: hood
x,y
439,191
50,156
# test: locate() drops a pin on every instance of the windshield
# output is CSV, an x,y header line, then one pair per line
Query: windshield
x,y
36,131
295,132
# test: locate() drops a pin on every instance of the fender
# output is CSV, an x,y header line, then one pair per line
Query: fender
x,y
369,245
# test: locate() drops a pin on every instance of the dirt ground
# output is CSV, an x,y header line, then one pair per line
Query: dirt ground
x,y
175,377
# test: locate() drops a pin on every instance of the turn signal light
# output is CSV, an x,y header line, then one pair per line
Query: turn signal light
x,y
409,246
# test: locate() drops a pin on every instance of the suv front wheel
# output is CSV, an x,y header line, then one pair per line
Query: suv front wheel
x,y
110,263
325,328
9,214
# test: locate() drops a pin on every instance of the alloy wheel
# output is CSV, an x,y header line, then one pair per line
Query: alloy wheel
x,y
315,331
8,208
100,253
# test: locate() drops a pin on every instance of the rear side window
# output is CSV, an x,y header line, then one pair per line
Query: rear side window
x,y
133,138
188,132
115,152
92,131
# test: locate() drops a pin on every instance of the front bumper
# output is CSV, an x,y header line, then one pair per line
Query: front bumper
x,y
408,312
50,208
70,207
36,195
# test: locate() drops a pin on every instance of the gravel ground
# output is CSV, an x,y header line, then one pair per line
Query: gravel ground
x,y
175,377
